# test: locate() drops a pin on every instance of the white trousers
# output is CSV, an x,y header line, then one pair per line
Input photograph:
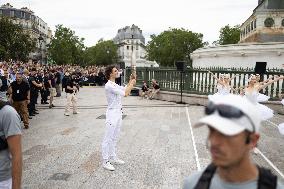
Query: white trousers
x,y
113,124
7,184
71,99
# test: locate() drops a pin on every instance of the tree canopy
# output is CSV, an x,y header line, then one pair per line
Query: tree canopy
x,y
103,53
228,35
14,42
66,47
173,45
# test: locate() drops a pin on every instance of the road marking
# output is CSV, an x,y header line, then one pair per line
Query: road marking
x,y
270,163
193,141
273,124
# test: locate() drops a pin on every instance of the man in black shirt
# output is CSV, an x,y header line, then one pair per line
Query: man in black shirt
x,y
20,98
58,83
155,89
34,86
52,90
71,91
145,90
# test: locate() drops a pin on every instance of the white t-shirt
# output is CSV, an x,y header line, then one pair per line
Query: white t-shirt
x,y
114,92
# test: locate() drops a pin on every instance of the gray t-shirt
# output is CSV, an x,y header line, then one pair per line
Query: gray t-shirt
x,y
10,124
218,183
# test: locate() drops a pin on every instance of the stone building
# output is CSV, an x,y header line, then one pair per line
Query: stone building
x,y
131,47
33,25
261,42
266,24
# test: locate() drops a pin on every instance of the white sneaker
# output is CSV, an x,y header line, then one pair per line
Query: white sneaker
x,y
66,114
108,166
255,151
117,161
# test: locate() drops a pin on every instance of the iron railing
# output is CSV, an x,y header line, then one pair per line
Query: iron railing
x,y
199,81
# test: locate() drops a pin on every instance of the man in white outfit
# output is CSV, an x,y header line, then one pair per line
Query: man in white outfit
x,y
114,92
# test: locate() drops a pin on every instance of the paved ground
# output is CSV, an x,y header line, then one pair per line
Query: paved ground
x,y
156,142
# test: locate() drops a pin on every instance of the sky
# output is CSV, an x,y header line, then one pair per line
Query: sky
x,y
96,19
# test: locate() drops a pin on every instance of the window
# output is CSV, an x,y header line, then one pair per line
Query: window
x,y
1,12
251,25
269,22
12,13
255,23
281,23
23,14
127,47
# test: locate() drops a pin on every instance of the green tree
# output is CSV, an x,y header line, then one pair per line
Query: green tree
x,y
173,45
103,53
66,47
228,35
14,42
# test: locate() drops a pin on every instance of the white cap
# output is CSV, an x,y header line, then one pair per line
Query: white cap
x,y
233,126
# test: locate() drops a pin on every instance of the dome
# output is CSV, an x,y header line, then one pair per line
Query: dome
x,y
133,32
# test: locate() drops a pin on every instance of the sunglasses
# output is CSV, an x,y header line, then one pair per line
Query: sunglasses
x,y
227,111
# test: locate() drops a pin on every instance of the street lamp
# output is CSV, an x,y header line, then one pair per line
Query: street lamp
x,y
40,40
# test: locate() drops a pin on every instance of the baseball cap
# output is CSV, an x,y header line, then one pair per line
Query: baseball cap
x,y
227,121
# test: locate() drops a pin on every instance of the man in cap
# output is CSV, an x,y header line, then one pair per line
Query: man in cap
x,y
233,124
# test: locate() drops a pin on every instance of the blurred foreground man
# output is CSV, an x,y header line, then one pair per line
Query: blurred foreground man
x,y
233,124
10,148
114,92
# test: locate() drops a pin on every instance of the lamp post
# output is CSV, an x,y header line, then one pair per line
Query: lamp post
x,y
40,40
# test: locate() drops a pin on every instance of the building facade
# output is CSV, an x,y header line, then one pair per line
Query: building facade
x,y
34,26
261,42
131,47
266,24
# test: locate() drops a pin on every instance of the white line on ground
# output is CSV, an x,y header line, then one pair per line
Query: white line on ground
x,y
270,163
193,141
273,124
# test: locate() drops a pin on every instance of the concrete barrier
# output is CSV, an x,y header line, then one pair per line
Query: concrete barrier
x,y
194,99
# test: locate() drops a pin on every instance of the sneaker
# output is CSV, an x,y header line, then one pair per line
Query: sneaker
x,y
108,166
117,161
66,114
76,112
255,151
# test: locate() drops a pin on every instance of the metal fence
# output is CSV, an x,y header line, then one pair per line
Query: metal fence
x,y
199,81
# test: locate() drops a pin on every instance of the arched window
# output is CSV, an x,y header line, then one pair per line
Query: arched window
x,y
255,23
269,22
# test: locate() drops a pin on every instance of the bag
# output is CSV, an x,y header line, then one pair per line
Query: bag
x,y
3,140
266,180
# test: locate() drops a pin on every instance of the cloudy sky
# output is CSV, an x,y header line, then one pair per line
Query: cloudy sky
x,y
95,19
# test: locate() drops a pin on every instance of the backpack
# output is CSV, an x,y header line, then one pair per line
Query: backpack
x,y
3,141
266,180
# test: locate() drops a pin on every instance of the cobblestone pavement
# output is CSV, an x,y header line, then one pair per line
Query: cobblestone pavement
x,y
156,142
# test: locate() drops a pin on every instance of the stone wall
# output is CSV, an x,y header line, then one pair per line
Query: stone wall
x,y
202,100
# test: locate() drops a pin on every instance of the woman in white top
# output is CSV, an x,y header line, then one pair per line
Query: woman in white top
x,y
261,97
251,92
223,85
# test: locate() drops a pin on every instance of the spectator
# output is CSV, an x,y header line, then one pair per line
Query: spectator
x,y
233,124
20,98
10,148
155,89
144,90
58,83
4,85
52,90
71,91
